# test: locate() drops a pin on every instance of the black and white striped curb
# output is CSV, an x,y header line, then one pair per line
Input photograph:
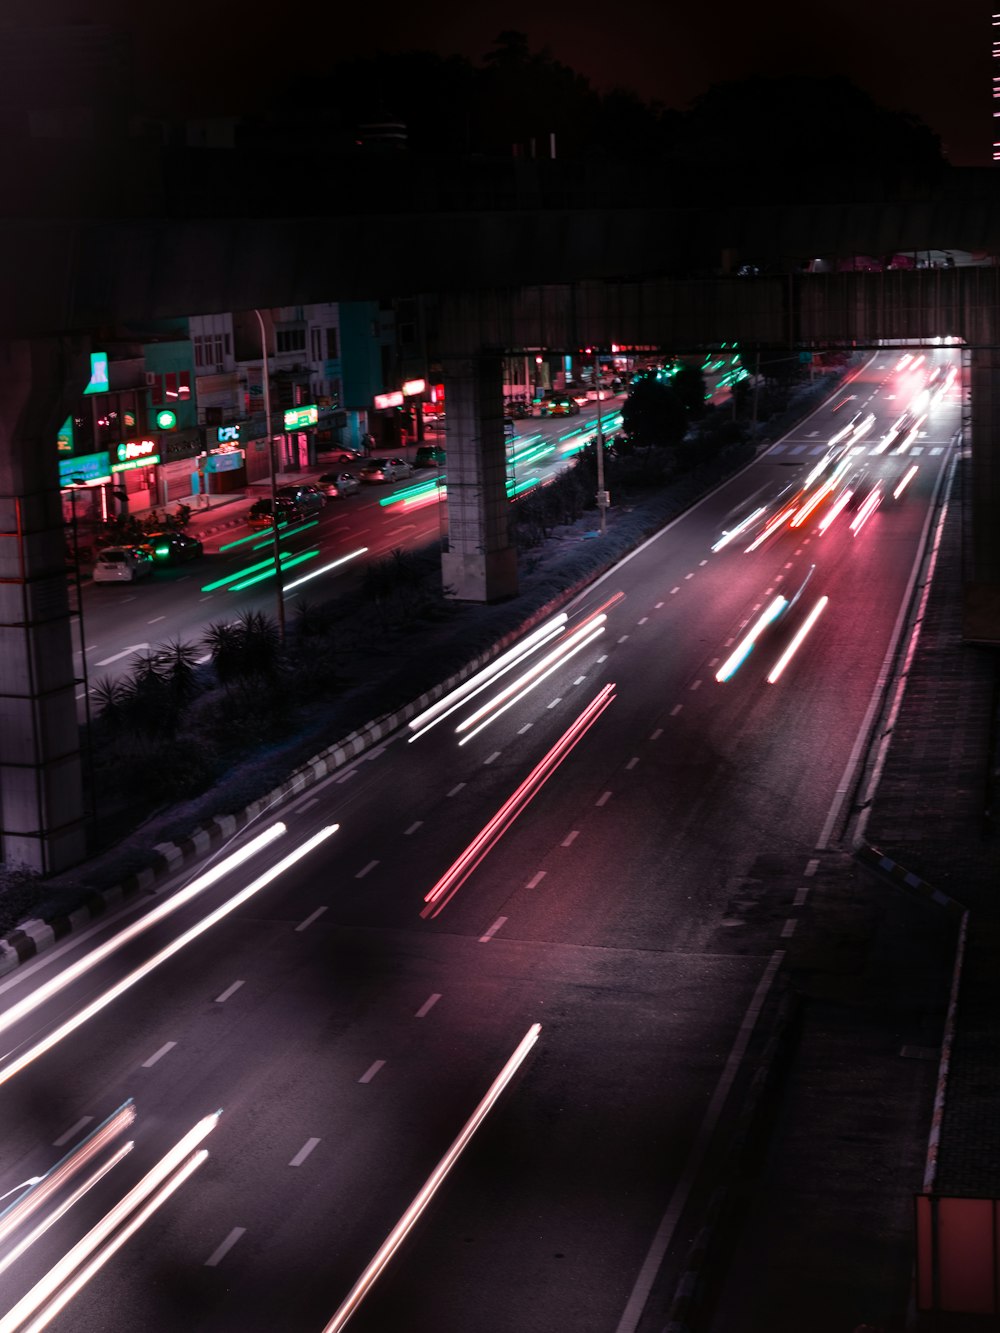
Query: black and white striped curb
x,y
904,879
35,936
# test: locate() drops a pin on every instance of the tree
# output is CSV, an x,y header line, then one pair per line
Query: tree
x,y
653,413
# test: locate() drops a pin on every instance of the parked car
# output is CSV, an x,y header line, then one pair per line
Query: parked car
x,y
352,456
429,455
560,407
385,469
308,497
122,564
259,513
335,485
172,548
435,422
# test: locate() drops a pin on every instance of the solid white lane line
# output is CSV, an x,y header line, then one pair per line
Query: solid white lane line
x,y
73,1130
658,732
788,928
158,1055
417,823
800,897
371,1071
427,1005
303,925
603,799
632,763
303,1152
456,789
494,755
365,869
695,1157
497,924
570,838
230,990
535,880
218,1255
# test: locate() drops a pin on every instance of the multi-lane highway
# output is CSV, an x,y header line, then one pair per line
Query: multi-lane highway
x,y
611,849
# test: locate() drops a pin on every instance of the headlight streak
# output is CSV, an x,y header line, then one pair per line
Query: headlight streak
x,y
325,569
459,871
64,1170
905,482
559,658
743,649
727,537
402,1228
76,1267
872,502
468,688
838,506
10,1068
796,642
97,955
902,448
50,1219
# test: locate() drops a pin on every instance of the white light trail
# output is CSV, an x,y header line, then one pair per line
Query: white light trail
x,y
838,506
405,1224
13,1067
532,678
872,502
727,537
45,992
324,569
176,1163
742,649
796,643
905,482
772,527
504,663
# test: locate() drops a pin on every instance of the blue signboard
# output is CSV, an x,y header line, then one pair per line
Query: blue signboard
x,y
87,470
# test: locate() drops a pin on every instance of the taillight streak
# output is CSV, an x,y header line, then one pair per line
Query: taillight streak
x,y
459,871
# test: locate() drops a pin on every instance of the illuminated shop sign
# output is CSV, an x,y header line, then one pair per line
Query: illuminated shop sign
x,y
227,434
98,373
166,420
135,453
297,418
411,387
87,470
383,400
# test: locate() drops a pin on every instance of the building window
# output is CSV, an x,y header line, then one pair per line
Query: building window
x,y
290,340
316,344
332,347
172,388
211,349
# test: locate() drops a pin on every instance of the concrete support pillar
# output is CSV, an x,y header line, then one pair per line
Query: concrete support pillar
x,y
41,780
480,564
981,603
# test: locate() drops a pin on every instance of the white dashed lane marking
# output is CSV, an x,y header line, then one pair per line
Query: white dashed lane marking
x,y
303,1152
535,880
218,1255
230,990
158,1055
497,925
366,869
313,916
371,1071
603,799
570,838
427,1006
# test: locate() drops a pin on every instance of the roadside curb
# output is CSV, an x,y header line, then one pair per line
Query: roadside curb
x,y
885,867
34,937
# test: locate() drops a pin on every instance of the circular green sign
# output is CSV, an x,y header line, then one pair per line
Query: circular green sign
x,y
166,420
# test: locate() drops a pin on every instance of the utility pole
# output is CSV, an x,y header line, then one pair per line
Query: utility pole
x,y
602,495
274,480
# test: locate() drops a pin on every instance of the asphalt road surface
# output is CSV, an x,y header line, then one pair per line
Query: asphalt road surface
x,y
578,863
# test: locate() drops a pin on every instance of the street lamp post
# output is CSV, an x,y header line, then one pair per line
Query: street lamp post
x,y
75,482
602,495
274,480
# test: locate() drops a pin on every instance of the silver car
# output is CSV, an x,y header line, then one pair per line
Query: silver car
x,y
386,469
122,564
335,485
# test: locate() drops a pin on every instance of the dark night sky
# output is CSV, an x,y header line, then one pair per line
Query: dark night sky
x,y
922,56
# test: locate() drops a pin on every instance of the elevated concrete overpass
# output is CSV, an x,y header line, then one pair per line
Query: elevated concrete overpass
x,y
507,278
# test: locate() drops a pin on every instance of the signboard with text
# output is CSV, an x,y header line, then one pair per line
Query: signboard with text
x,y
299,418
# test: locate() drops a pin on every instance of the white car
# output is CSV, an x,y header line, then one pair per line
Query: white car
x,y
122,564
386,469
